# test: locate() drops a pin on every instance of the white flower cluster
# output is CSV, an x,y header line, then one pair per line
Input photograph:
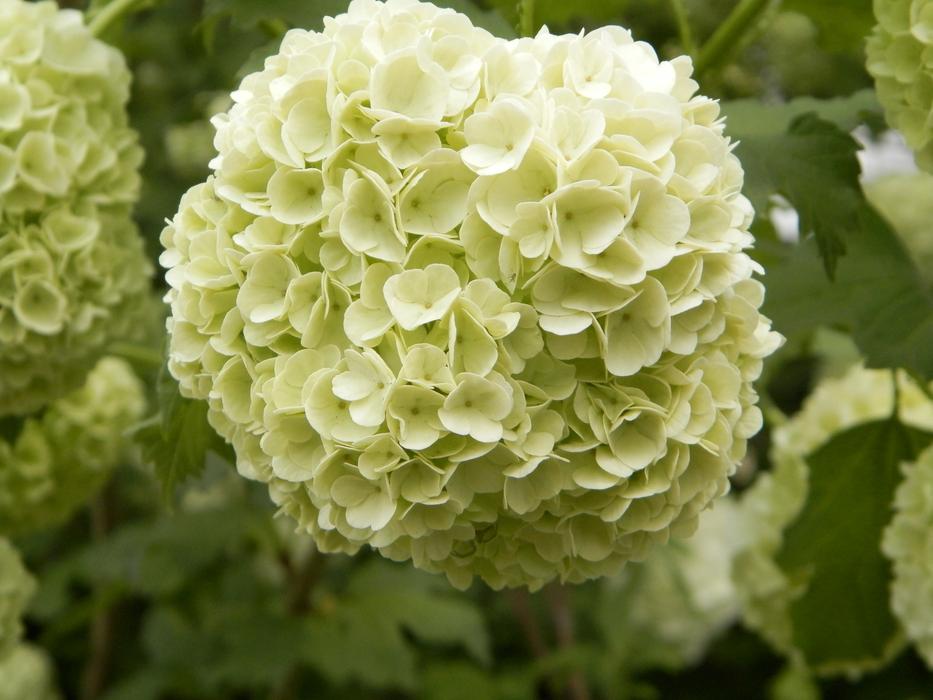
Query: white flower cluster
x,y
476,303
908,542
682,596
16,588
777,497
72,266
61,457
900,58
27,674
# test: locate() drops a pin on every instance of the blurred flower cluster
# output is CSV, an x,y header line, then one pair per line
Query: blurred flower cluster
x,y
16,588
908,542
900,58
72,266
59,460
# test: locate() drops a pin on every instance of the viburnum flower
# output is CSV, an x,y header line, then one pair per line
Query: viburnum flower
x,y
27,675
480,304
16,589
900,58
777,497
72,266
907,542
58,459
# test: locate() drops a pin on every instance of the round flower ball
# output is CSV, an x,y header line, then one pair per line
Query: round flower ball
x,y
27,675
59,460
900,58
72,265
908,543
16,588
777,497
478,304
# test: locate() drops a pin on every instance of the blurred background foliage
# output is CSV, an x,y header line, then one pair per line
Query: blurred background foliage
x,y
208,597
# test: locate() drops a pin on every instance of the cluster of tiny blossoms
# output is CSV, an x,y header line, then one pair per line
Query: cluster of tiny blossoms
x,y
480,304
900,58
72,266
27,675
16,588
60,458
777,497
908,542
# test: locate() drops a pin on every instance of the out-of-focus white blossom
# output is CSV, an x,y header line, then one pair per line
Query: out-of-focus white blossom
x,y
900,58
72,265
908,542
27,674
16,588
673,604
59,458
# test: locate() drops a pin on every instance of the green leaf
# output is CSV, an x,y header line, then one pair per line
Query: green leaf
x,y
310,15
296,13
157,558
349,646
363,637
424,605
842,618
456,681
878,295
754,118
814,165
176,441
842,24
491,20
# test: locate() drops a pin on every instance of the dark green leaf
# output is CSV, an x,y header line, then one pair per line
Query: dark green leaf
x,y
296,13
155,558
833,549
878,295
814,165
177,440
310,15
842,24
752,118
350,645
457,681
362,639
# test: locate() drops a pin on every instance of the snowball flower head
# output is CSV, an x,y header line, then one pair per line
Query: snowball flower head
x,y
478,304
777,497
72,267
59,459
908,543
16,588
27,675
900,58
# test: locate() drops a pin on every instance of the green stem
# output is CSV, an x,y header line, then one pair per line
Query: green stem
x,y
273,28
526,17
683,27
895,413
101,21
729,35
101,637
301,580
564,624
139,354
